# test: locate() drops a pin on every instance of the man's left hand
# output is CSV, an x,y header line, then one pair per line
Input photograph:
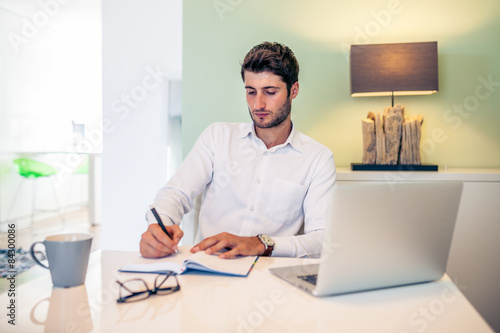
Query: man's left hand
x,y
245,246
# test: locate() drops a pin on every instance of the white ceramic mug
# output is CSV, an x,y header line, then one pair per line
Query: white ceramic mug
x,y
68,257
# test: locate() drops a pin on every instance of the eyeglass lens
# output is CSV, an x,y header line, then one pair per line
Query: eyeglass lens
x,y
134,290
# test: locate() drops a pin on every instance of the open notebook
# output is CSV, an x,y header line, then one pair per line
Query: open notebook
x,y
185,260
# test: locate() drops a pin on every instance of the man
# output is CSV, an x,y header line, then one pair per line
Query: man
x,y
260,182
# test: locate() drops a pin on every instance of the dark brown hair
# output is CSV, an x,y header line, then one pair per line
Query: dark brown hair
x,y
275,58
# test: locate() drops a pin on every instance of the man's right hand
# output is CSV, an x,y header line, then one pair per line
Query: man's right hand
x,y
155,243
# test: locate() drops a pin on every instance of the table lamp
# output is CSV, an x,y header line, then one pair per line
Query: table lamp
x,y
398,69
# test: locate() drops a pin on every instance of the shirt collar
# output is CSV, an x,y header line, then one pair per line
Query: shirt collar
x,y
293,139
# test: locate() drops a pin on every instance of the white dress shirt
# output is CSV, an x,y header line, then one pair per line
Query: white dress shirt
x,y
248,189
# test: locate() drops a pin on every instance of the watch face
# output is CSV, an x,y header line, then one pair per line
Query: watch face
x,y
266,239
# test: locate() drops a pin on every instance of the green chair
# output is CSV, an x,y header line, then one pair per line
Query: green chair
x,y
32,170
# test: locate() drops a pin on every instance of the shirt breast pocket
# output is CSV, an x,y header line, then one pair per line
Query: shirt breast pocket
x,y
285,203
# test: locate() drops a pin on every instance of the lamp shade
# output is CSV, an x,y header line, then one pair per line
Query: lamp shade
x,y
394,69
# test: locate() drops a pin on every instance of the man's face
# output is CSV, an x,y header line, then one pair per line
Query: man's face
x,y
267,98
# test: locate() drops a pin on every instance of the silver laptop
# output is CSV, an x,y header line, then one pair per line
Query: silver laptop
x,y
382,235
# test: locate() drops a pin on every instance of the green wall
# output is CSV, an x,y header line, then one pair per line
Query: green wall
x,y
461,122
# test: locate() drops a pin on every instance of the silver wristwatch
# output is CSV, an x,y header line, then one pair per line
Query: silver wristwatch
x,y
268,243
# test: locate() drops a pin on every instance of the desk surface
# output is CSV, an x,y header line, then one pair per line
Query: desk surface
x,y
214,303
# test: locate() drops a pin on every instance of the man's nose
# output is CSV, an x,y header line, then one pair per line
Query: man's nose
x,y
260,102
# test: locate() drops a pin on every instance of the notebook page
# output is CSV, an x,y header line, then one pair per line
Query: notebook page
x,y
241,265
174,262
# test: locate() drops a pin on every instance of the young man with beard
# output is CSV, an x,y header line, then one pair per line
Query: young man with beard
x,y
260,181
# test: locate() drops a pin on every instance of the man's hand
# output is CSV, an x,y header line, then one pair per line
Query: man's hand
x,y
155,243
245,246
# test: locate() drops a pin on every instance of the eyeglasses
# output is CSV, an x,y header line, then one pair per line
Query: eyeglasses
x,y
137,289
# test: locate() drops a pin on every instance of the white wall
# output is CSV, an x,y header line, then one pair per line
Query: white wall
x,y
50,71
141,40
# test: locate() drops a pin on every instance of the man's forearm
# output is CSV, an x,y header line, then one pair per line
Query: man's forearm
x,y
307,245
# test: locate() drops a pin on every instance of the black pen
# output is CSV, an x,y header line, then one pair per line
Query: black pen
x,y
157,217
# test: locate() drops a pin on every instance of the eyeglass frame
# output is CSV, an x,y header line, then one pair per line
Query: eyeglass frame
x,y
154,291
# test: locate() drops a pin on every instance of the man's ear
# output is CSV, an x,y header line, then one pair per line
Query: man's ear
x,y
294,90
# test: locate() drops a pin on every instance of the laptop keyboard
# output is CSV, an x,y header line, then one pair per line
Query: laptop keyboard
x,y
309,278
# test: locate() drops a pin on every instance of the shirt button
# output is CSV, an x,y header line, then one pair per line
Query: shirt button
x,y
265,153
258,180
251,208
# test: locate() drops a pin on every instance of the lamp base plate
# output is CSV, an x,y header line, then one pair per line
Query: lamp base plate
x,y
393,167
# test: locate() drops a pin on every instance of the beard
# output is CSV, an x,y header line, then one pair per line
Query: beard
x,y
277,119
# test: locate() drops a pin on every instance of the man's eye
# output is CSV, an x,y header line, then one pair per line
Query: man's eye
x,y
250,92
271,92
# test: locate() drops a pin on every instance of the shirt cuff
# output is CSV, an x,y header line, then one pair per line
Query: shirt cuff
x,y
150,218
283,247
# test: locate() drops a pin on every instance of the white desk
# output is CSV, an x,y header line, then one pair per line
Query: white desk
x,y
214,303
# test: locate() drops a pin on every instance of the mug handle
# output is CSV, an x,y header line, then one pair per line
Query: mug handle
x,y
32,314
32,252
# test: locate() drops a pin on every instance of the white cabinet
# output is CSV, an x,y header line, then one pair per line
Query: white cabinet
x,y
474,262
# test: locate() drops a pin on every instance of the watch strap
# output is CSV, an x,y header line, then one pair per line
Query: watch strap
x,y
268,251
